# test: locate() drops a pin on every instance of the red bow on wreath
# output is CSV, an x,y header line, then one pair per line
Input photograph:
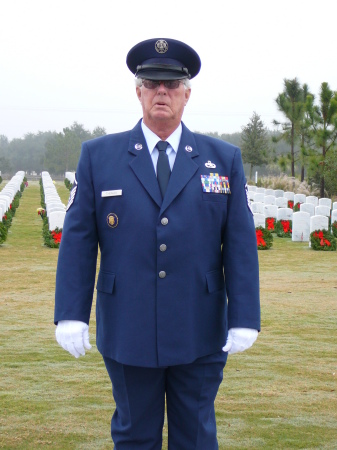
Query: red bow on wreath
x,y
259,238
286,226
271,223
322,239
57,236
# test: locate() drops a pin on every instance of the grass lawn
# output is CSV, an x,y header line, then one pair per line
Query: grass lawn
x,y
280,394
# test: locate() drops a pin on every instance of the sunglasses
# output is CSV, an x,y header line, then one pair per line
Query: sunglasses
x,y
169,84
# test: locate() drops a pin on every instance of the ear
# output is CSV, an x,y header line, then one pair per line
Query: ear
x,y
139,93
187,95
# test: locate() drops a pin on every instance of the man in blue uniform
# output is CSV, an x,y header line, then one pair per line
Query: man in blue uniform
x,y
178,284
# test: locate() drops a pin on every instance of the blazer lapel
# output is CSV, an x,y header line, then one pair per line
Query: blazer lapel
x,y
184,167
142,164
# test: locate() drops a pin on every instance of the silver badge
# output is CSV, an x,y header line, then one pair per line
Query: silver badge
x,y
161,46
210,165
138,146
188,148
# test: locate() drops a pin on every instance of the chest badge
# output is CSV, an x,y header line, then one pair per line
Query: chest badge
x,y
112,220
210,165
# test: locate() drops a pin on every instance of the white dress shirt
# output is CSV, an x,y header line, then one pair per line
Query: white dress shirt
x,y
171,151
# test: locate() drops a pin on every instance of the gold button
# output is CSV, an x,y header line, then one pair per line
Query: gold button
x,y
162,248
164,221
162,274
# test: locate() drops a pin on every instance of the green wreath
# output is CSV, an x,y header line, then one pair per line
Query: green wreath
x,y
283,228
3,233
264,238
323,240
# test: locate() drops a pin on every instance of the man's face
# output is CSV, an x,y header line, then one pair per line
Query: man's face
x,y
163,106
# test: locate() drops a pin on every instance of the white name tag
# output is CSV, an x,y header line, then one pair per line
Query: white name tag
x,y
114,193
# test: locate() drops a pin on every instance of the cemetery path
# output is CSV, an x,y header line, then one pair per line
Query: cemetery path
x,y
26,229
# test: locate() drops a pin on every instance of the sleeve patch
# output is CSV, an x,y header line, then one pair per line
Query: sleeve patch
x,y
72,194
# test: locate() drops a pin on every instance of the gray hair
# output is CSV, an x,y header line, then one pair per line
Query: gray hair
x,y
186,82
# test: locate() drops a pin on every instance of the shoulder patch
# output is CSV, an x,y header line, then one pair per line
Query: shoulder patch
x,y
72,194
248,200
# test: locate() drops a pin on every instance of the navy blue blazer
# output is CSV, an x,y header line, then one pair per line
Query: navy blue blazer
x,y
174,274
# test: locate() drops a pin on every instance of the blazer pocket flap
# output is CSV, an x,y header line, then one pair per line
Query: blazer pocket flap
x,y
106,282
215,280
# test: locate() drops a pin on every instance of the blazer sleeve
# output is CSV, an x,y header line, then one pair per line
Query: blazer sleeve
x,y
240,257
76,267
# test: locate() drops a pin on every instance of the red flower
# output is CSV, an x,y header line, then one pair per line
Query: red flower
x,y
323,241
259,238
270,223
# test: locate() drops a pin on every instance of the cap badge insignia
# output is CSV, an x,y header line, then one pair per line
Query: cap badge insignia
x,y
188,148
210,165
138,146
161,46
112,220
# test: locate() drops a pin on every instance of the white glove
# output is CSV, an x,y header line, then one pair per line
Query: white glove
x,y
73,336
239,339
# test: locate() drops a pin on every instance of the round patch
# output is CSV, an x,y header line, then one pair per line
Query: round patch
x,y
161,46
138,146
112,220
188,148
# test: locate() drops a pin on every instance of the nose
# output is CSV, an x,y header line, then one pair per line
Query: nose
x,y
161,87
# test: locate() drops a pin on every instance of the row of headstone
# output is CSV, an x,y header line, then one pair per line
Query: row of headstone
x,y
9,191
70,176
280,198
55,209
302,223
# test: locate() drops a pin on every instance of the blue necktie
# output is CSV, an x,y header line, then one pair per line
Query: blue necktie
x,y
163,167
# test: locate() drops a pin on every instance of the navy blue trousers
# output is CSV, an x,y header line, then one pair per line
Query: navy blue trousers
x,y
189,390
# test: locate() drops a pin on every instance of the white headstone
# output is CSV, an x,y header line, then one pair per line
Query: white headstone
x,y
284,214
281,202
334,216
334,205
56,220
319,223
269,199
325,202
269,192
260,190
270,211
322,210
308,207
257,207
259,220
300,226
299,198
251,188
289,195
312,199
279,193
259,197
251,195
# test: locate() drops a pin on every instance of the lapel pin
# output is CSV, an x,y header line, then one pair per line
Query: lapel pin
x,y
188,148
210,165
138,146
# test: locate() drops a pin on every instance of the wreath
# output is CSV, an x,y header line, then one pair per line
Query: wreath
x,y
297,206
334,228
264,238
283,228
290,204
323,240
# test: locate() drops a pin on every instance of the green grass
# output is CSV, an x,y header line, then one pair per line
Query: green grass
x,y
280,394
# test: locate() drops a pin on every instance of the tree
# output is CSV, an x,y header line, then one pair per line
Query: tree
x,y
291,103
323,122
255,143
63,149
